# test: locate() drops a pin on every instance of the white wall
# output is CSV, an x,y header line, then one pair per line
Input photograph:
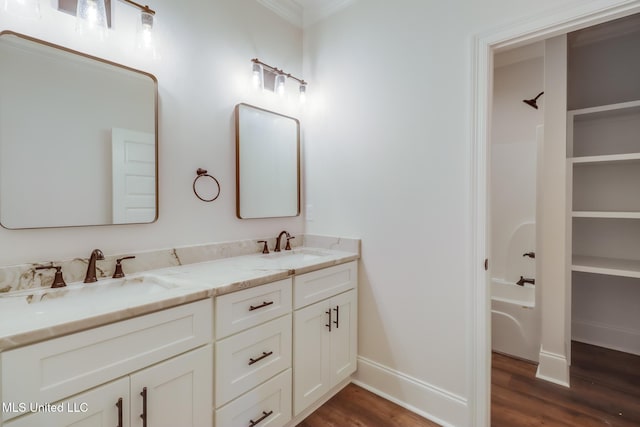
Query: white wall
x,y
513,166
204,71
388,159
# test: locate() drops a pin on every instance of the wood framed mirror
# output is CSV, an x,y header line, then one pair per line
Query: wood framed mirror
x,y
267,163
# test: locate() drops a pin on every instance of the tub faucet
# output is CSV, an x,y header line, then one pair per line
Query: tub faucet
x,y
90,277
288,247
522,281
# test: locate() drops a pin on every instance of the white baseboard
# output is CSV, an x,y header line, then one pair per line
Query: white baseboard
x,y
608,336
553,368
426,400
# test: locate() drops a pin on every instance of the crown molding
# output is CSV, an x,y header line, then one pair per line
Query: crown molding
x,y
314,10
303,13
290,10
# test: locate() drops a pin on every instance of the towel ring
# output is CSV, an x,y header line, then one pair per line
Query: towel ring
x,y
202,173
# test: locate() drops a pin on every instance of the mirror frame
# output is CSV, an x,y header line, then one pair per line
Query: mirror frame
x,y
154,80
238,167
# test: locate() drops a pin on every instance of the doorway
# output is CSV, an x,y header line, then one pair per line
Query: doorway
x,y
485,46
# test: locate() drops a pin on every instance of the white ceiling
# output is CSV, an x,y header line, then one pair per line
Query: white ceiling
x,y
303,13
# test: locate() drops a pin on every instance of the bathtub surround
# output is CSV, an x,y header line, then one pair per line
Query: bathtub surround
x,y
25,276
515,316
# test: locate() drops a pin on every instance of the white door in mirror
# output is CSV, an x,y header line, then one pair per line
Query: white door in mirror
x,y
134,176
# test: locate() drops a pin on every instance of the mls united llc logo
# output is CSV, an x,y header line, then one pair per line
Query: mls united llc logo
x,y
24,407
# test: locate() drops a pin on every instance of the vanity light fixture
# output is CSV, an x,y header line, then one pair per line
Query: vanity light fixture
x,y
23,8
278,76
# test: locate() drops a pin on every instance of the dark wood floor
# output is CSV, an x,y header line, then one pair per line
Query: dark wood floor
x,y
354,406
605,391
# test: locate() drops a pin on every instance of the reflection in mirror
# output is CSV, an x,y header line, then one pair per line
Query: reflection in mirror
x,y
267,163
78,138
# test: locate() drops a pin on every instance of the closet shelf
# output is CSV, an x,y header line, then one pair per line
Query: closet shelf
x,y
604,110
607,159
609,266
605,214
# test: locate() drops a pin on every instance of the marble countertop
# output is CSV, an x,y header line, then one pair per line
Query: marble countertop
x,y
34,315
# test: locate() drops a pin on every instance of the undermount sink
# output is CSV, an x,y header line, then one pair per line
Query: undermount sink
x,y
290,259
94,296
297,253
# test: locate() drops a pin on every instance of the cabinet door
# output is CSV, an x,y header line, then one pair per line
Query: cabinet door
x,y
104,406
311,353
344,339
179,391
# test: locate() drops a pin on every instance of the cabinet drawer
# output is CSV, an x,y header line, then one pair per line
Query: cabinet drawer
x,y
61,367
318,285
241,310
249,358
270,402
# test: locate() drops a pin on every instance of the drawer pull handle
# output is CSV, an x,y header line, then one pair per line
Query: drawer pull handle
x,y
144,407
264,354
328,325
119,406
264,415
337,321
264,304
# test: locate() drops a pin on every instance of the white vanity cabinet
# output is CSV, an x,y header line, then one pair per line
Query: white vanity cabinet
x,y
253,356
99,377
325,332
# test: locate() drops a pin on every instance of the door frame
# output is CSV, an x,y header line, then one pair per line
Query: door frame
x,y
537,28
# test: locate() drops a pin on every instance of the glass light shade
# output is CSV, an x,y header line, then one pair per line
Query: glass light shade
x,y
303,93
257,78
91,18
145,40
281,79
23,8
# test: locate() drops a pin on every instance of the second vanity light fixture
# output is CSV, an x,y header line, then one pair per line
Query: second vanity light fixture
x,y
263,72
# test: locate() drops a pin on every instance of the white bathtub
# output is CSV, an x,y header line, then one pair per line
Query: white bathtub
x,y
514,320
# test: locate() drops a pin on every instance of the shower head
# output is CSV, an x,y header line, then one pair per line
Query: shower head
x,y
533,102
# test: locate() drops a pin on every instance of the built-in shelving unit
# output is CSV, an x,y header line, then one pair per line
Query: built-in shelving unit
x,y
603,184
603,152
